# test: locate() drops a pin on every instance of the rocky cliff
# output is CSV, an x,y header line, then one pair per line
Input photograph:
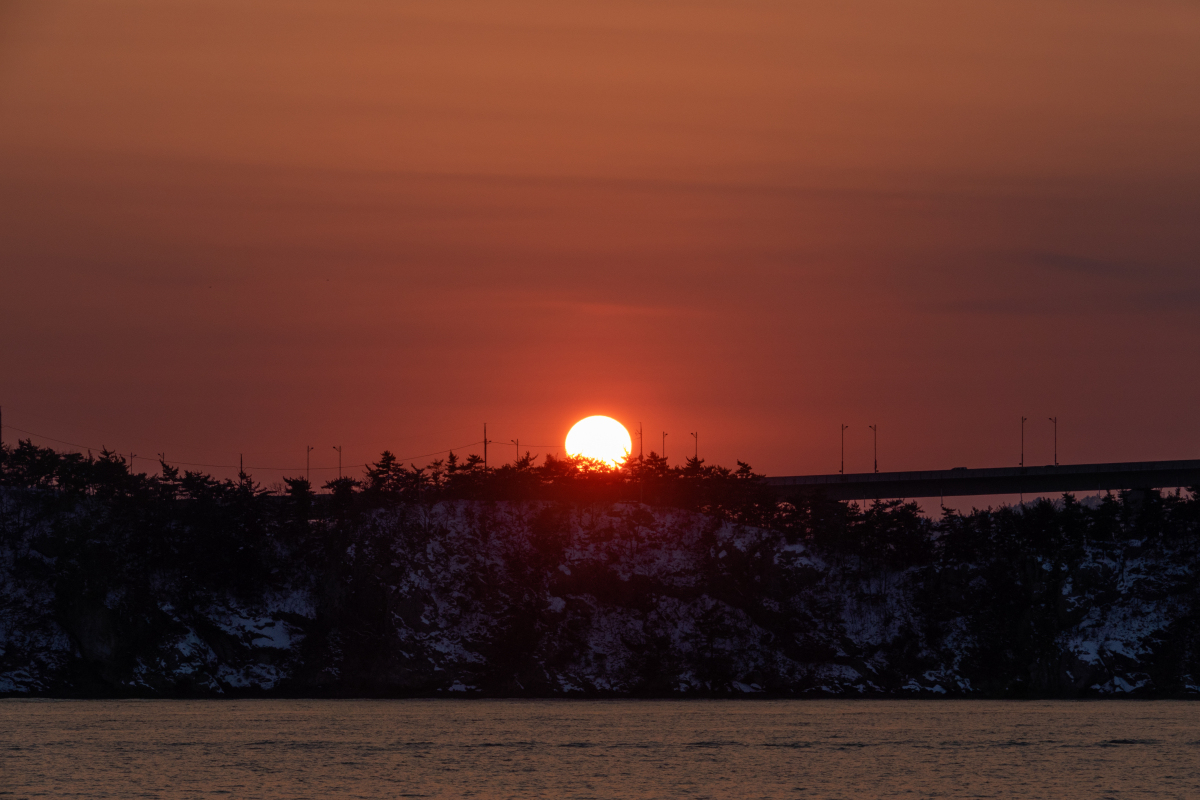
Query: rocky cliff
x,y
462,598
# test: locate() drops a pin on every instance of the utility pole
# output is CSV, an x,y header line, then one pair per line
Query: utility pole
x,y
517,442
241,469
132,456
1055,421
641,464
339,449
664,445
875,444
485,445
1022,441
696,436
308,466
843,469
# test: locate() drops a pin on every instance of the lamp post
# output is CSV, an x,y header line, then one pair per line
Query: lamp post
x,y
1023,441
1022,453
875,444
1055,421
842,471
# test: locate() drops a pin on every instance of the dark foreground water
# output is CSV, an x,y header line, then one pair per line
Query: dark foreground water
x,y
624,749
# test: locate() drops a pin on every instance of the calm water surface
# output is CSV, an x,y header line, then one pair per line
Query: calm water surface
x,y
627,749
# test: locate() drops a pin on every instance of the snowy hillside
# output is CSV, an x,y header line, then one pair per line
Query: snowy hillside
x,y
545,599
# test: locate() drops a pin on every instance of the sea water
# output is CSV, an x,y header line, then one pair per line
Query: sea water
x,y
598,749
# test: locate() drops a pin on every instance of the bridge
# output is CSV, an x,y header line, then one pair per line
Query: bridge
x,y
961,481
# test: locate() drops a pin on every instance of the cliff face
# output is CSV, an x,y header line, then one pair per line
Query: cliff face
x,y
540,599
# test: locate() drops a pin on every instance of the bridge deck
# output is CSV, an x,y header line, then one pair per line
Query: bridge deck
x,y
1001,480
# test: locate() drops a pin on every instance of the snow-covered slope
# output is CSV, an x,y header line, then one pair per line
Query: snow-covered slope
x,y
473,598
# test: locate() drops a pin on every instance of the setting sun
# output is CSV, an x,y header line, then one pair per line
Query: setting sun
x,y
601,438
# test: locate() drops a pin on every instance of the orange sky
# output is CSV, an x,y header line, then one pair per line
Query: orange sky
x,y
231,227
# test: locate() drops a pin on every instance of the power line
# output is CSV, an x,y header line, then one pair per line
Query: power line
x,y
49,438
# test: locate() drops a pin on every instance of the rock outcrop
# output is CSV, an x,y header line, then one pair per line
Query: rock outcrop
x,y
545,599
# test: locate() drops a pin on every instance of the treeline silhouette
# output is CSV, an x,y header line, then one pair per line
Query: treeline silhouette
x,y
113,547
891,531
736,494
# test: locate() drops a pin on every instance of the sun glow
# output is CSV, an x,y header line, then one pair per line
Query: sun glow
x,y
601,438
